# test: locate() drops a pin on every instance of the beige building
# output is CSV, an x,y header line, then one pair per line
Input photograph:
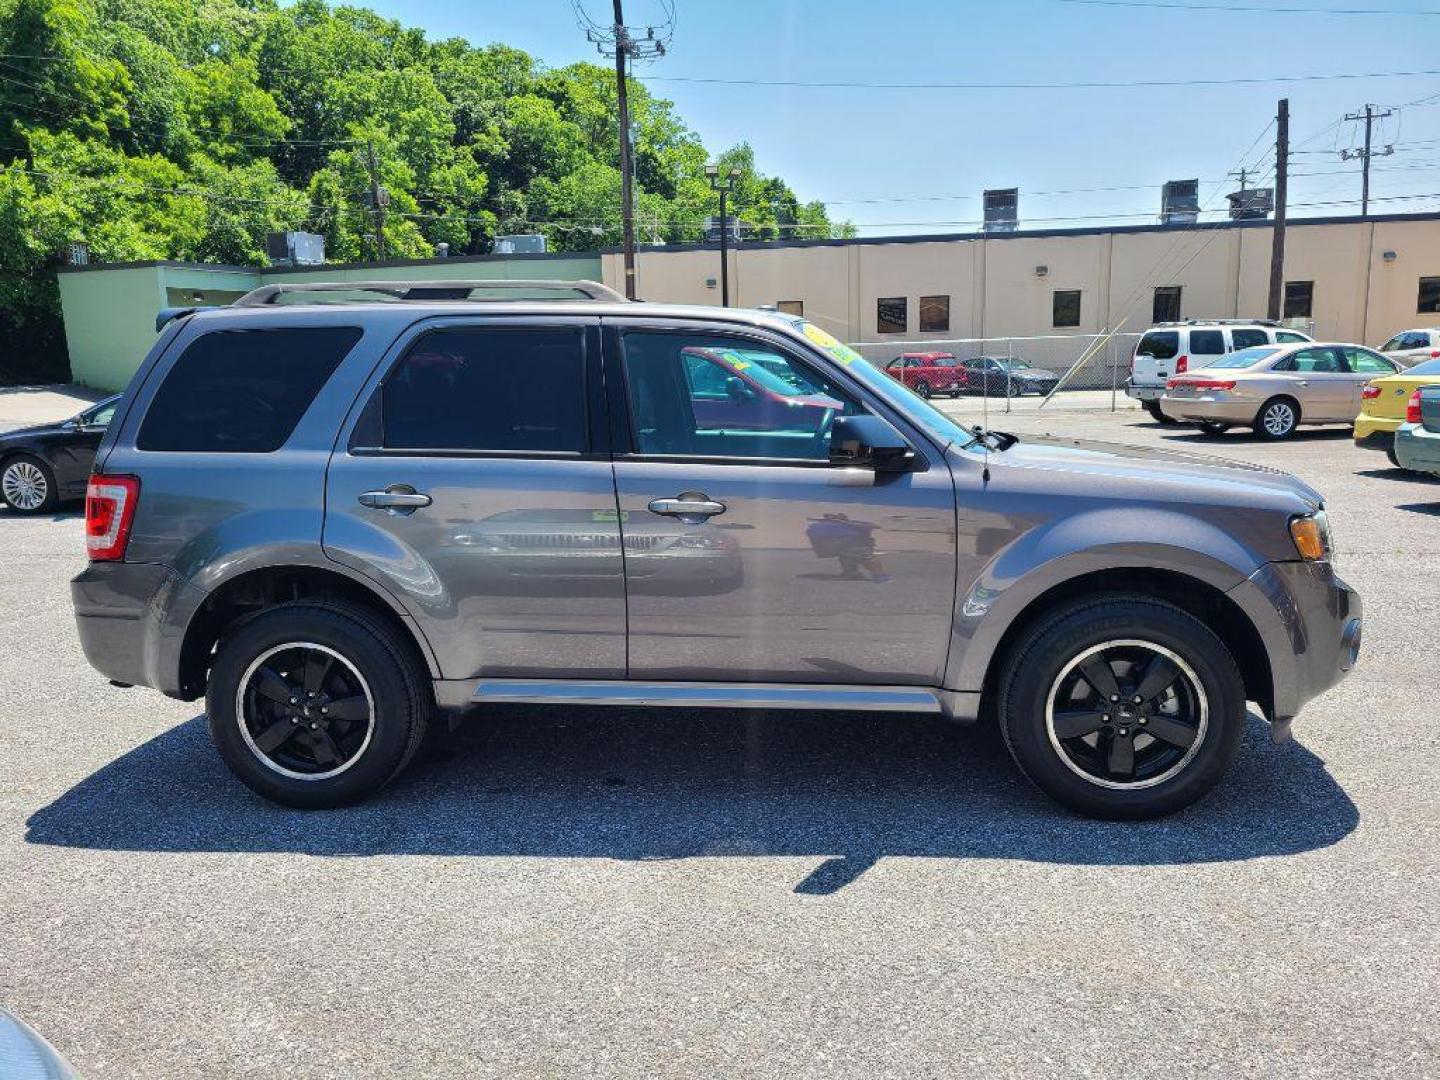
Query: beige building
x,y
1352,279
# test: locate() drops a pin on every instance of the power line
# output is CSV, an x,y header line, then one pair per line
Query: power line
x,y
1136,84
1252,8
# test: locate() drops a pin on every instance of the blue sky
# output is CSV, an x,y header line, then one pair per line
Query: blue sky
x,y
929,153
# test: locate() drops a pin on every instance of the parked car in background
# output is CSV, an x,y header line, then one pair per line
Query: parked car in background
x,y
1383,402
1411,347
1276,388
1170,349
992,375
730,390
405,506
1417,443
42,466
928,373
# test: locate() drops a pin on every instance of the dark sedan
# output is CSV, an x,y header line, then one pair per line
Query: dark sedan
x,y
41,466
1001,375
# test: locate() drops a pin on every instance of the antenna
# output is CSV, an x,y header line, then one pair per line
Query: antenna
x,y
985,423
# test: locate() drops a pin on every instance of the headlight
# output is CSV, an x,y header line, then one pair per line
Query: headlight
x,y
1311,533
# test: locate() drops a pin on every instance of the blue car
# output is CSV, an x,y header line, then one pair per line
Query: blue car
x,y
1417,443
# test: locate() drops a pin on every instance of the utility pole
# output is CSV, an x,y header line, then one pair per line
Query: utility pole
x,y
1277,246
1366,153
617,40
379,198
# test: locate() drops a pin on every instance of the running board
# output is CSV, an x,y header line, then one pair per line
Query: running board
x,y
917,699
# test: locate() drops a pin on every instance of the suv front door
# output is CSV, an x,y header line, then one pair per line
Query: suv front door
x,y
749,556
475,485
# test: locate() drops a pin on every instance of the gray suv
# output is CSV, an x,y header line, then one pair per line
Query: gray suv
x,y
336,511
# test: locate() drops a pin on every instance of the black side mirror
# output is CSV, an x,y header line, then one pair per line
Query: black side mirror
x,y
737,390
868,442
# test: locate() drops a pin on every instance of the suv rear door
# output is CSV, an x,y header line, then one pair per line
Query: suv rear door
x,y
1155,356
784,568
473,480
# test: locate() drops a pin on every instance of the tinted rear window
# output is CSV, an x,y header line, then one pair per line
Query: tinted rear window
x,y
243,391
1162,345
506,390
1207,342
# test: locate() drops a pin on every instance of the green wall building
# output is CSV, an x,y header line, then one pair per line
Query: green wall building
x,y
109,310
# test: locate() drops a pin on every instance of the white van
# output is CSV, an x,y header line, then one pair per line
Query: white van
x,y
1169,349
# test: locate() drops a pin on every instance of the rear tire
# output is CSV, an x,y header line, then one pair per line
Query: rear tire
x,y
1277,419
923,389
323,740
28,486
1395,460
1050,713
1153,408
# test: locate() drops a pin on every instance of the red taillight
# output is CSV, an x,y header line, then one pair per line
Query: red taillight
x,y
1412,409
1182,365
109,511
1370,392
1435,354
1201,384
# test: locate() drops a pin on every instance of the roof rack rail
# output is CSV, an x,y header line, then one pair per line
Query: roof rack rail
x,y
423,291
1222,322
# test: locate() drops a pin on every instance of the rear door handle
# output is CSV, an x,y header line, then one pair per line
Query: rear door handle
x,y
395,499
690,507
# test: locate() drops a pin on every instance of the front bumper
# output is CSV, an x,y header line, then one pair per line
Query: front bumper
x,y
1311,622
1418,449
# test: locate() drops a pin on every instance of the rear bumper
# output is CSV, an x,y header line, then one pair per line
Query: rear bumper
x,y
1241,411
1144,393
1366,426
123,614
1418,449
1374,440
1311,622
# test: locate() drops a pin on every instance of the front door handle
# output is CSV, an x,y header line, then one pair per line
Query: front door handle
x,y
395,499
691,507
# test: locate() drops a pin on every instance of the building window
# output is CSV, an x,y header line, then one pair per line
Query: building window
x,y
935,314
1065,307
790,307
1299,295
1167,304
891,316
1429,294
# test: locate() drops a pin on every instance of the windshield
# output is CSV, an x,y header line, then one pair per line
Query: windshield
x,y
917,408
1245,357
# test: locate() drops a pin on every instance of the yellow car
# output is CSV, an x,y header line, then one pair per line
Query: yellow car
x,y
1382,406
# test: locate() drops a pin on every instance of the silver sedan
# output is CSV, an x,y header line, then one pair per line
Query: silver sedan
x,y
1276,388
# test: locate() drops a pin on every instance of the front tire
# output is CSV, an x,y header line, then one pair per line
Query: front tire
x,y
1070,717
1277,419
28,485
317,704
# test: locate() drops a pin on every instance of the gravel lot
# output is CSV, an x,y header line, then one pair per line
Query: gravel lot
x,y
575,893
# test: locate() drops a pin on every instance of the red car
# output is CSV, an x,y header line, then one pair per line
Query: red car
x,y
929,373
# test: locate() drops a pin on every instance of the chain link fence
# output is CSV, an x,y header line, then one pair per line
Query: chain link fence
x,y
1099,362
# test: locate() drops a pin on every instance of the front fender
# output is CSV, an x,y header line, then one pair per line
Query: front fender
x,y
1067,548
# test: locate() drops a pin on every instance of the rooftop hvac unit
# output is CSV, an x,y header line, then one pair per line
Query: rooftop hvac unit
x,y
295,248
1002,209
1251,204
1180,202
520,244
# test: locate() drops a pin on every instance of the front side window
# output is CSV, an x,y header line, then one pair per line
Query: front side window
x,y
1159,345
891,315
1429,299
100,417
1245,339
1299,296
696,395
492,389
935,314
1207,342
1065,308
1166,306
242,391
1289,337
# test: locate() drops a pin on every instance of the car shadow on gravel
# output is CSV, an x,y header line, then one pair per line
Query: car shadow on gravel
x,y
666,784
1243,436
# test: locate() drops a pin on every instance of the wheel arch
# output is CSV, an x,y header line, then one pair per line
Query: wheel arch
x,y
1191,594
252,591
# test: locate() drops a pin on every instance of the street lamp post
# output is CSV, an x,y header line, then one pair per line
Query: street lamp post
x,y
723,187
